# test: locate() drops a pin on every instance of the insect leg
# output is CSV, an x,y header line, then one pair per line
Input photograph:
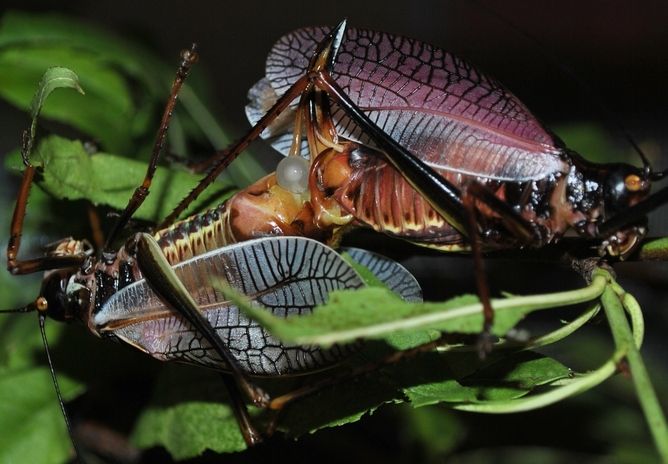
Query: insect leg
x,y
442,195
250,434
280,402
633,214
16,266
217,162
513,221
188,58
40,305
95,227
162,279
485,340
515,224
233,151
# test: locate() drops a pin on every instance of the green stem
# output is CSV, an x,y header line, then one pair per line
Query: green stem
x,y
634,311
566,329
536,302
637,321
655,249
544,340
572,387
242,173
624,339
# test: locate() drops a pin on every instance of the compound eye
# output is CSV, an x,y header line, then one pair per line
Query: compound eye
x,y
633,183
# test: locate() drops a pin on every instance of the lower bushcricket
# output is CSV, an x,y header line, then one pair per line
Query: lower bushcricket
x,y
166,299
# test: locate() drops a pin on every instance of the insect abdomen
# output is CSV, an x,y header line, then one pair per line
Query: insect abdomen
x,y
195,235
378,196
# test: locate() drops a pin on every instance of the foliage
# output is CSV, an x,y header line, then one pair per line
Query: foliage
x,y
126,86
187,413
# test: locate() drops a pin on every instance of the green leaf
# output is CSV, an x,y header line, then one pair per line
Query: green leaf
x,y
107,67
52,79
69,172
106,114
367,276
125,83
344,403
185,414
456,378
515,376
20,29
444,391
188,429
437,430
33,429
505,377
21,340
189,414
375,313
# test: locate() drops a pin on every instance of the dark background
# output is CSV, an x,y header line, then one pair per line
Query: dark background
x,y
599,61
618,50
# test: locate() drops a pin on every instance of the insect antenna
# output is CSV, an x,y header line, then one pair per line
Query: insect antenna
x,y
40,305
25,309
42,318
605,112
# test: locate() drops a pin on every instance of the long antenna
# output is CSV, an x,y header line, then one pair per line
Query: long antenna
x,y
25,309
40,305
30,307
41,315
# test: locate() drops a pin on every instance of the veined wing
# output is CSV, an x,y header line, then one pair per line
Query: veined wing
x,y
436,105
395,277
286,275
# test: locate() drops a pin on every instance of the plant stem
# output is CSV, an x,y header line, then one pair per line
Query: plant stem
x,y
242,173
570,388
655,249
565,330
624,339
536,302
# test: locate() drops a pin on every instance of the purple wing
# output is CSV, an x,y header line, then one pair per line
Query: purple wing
x,y
437,106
